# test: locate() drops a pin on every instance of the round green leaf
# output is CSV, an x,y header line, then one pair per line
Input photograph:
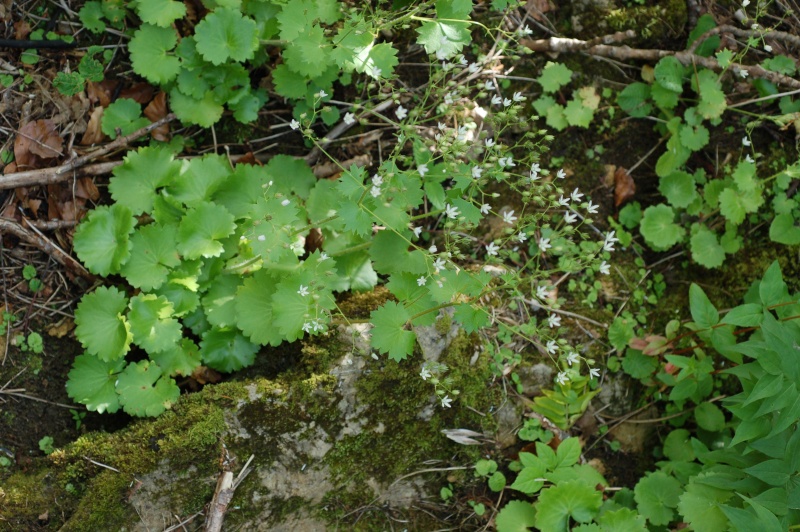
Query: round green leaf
x,y
152,324
152,254
709,417
678,188
706,249
179,359
254,309
656,496
572,499
204,112
227,350
149,51
201,230
100,325
91,383
677,446
669,73
136,181
659,229
102,239
516,516
124,115
160,12
144,392
226,34
219,302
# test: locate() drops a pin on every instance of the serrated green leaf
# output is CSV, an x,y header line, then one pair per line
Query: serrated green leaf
x,y
471,318
747,315
152,255
91,383
659,229
633,99
389,334
708,46
308,54
673,158
712,98
150,52
199,179
227,350
554,76
69,84
677,446
143,391
699,505
694,138
731,207
664,98
445,39
124,115
204,112
201,230
160,12
219,302
240,192
706,249
620,332
569,500
136,181
102,239
744,175
724,58
781,64
254,309
226,34
289,83
577,114
656,497
516,516
669,73
152,324
291,176
179,359
390,254
91,15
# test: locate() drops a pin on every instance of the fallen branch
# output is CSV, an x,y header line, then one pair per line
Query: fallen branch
x,y
624,53
41,242
45,176
226,485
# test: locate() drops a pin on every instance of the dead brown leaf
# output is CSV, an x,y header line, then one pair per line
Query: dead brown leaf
x,y
62,328
93,133
624,186
155,111
139,92
36,142
21,30
101,93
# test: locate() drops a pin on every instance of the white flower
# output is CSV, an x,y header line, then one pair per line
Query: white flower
x,y
322,257
285,202
743,73
422,169
605,268
544,244
448,98
322,94
561,174
376,72
518,97
522,237
377,180
526,30
307,327
446,401
594,372
489,142
570,217
562,378
745,141
572,358
554,320
442,126
439,264
748,158
492,249
507,102
349,119
477,171
592,208
745,3
754,26
767,48
375,191
488,85
576,195
421,282
294,124
433,249
535,169
485,208
551,347
542,292
401,112
509,218
417,231
608,245
496,100
474,68
425,374
450,211
564,202
261,238
303,291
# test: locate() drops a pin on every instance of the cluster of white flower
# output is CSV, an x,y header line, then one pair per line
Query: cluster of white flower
x,y
315,325
377,181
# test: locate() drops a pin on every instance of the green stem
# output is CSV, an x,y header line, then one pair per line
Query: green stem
x,y
352,249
